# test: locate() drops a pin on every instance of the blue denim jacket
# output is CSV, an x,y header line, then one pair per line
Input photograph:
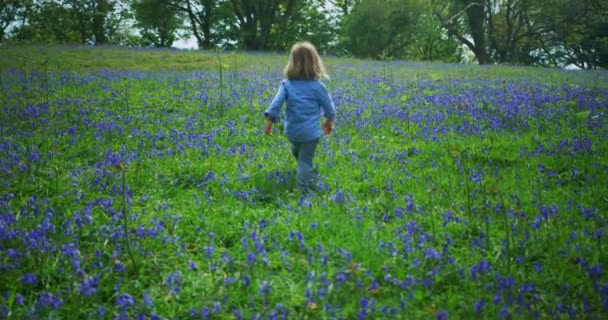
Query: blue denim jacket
x,y
305,100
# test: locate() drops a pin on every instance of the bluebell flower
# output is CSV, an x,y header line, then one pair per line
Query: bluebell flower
x,y
47,299
432,254
216,307
595,271
321,292
251,258
124,300
147,300
29,278
19,299
478,306
497,298
89,285
528,288
174,278
363,302
205,313
373,286
505,282
119,268
504,312
264,288
101,311
209,251
361,314
442,315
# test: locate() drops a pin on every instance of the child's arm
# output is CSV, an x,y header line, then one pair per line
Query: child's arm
x,y
268,126
329,109
272,113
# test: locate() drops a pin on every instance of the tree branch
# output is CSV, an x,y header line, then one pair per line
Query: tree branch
x,y
448,25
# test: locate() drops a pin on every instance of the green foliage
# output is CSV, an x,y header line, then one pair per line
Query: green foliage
x,y
517,32
50,22
310,22
74,21
578,32
10,12
376,28
158,22
554,32
397,29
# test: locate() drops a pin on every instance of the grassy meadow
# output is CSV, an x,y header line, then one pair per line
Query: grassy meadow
x,y
138,184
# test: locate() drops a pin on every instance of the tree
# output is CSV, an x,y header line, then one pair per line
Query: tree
x,y
430,41
474,27
310,22
345,6
496,30
256,18
368,32
100,12
576,32
158,22
396,29
10,12
202,14
49,22
95,20
73,21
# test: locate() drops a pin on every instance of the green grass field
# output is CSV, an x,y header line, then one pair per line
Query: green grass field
x,y
139,184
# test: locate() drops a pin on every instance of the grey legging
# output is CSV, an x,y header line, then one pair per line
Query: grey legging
x,y
304,152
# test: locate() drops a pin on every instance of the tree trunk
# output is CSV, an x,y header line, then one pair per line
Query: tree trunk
x,y
476,21
256,19
101,10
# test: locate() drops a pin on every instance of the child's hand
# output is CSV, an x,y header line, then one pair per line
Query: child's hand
x,y
268,127
327,127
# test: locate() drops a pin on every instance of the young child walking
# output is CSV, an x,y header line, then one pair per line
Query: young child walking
x,y
305,95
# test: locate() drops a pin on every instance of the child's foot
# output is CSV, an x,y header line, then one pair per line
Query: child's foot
x,y
307,190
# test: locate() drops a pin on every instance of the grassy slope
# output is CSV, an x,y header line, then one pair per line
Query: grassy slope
x,y
368,151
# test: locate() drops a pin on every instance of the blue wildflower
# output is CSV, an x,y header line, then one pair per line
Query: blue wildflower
x,y
504,312
478,306
29,278
264,288
364,303
119,268
432,254
89,285
442,315
147,300
124,300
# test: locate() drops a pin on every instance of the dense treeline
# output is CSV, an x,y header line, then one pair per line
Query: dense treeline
x,y
527,32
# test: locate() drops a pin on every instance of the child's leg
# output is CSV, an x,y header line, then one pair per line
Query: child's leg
x,y
304,171
295,149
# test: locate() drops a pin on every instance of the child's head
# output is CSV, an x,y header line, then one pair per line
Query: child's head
x,y
304,63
